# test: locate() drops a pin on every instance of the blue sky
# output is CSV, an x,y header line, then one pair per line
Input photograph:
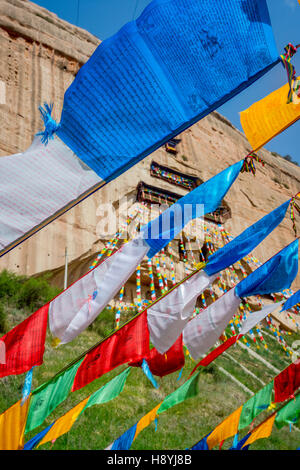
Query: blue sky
x,y
105,17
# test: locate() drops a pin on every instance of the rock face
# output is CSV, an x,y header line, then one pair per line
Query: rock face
x,y
39,57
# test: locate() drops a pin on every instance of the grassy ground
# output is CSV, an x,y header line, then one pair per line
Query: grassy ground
x,y
178,428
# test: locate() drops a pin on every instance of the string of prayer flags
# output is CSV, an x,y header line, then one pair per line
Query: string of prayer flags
x,y
106,393
268,117
167,318
76,307
101,284
25,344
201,333
104,121
12,425
127,344
261,401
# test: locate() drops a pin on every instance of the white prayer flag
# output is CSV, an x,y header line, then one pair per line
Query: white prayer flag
x,y
38,183
78,306
168,317
201,333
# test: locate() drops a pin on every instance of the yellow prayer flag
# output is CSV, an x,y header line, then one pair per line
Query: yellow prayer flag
x,y
146,420
262,431
270,116
64,424
12,426
226,429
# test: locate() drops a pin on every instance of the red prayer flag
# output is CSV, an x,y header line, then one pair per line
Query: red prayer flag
x,y
287,382
128,344
216,353
167,363
25,344
164,364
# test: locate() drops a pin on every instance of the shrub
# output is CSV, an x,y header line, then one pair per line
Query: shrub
x,y
9,285
35,292
3,320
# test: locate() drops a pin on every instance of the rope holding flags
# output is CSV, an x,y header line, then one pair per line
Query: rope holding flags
x,y
295,206
290,51
249,165
51,126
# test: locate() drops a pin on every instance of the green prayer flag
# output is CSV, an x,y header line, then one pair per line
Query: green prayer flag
x,y
48,396
109,391
289,414
188,390
253,407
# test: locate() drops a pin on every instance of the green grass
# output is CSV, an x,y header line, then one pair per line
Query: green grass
x,y
178,428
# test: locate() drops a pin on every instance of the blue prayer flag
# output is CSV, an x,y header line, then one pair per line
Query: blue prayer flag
x,y
204,199
124,442
160,74
292,301
246,241
275,275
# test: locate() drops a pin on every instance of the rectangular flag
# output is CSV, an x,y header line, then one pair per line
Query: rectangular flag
x,y
128,344
269,117
289,414
12,425
287,382
160,74
25,344
167,363
201,333
168,317
77,307
37,186
48,396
